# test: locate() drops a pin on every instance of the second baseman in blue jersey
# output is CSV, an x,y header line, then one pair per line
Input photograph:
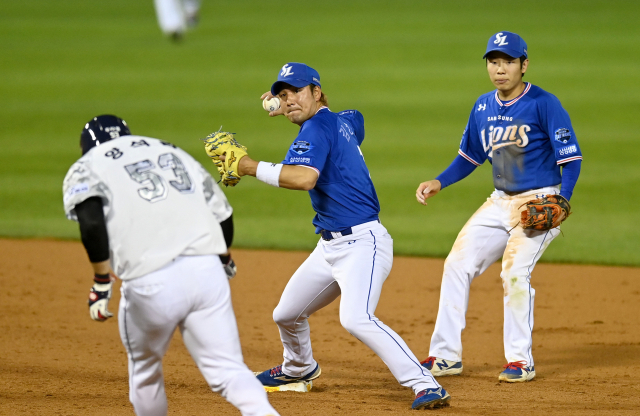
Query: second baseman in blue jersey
x,y
344,195
354,255
528,138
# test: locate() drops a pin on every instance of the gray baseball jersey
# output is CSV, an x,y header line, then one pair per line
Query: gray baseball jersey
x,y
137,177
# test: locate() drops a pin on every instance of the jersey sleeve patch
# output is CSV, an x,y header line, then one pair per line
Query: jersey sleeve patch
x,y
301,147
78,189
80,184
567,150
568,153
563,135
311,147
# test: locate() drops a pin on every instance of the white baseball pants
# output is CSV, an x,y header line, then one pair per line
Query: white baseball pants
x,y
354,266
481,242
191,293
173,14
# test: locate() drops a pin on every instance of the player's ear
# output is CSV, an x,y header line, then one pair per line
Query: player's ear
x,y
317,93
525,65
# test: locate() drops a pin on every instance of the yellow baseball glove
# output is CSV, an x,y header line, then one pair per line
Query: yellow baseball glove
x,y
222,143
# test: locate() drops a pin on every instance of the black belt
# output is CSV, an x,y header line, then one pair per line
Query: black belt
x,y
328,235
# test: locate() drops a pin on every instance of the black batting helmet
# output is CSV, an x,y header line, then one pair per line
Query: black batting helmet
x,y
101,129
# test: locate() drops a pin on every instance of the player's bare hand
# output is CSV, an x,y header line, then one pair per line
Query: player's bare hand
x,y
280,111
427,190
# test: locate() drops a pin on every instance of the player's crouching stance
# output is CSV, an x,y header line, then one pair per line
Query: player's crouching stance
x,y
354,254
527,136
150,211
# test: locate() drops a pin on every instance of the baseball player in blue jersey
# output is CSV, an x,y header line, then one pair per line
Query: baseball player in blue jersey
x,y
354,255
527,137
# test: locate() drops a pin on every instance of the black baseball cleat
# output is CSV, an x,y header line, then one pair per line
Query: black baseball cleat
x,y
275,377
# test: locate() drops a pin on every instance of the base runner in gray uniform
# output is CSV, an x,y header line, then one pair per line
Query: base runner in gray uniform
x,y
153,214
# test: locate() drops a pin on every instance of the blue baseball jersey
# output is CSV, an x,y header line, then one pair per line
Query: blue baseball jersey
x,y
525,139
344,195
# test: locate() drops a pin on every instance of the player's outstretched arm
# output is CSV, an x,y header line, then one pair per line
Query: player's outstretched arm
x,y
298,178
427,190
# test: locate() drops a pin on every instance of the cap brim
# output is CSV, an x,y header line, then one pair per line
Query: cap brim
x,y
280,85
511,52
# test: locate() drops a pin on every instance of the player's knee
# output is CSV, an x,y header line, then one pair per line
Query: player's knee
x,y
516,285
354,324
283,316
514,279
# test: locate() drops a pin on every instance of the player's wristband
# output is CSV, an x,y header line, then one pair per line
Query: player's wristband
x,y
269,173
101,278
225,259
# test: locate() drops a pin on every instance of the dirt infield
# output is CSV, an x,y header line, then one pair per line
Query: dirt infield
x,y
55,361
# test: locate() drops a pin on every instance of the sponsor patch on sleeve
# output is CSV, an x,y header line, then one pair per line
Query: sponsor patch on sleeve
x,y
77,189
563,135
300,160
568,150
301,147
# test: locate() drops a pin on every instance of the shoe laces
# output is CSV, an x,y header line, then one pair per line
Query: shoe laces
x,y
428,391
276,371
429,361
515,364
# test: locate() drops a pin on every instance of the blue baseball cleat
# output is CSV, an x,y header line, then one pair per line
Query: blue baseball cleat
x,y
275,377
431,399
440,367
517,372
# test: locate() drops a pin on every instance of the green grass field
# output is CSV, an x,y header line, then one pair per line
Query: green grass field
x,y
413,68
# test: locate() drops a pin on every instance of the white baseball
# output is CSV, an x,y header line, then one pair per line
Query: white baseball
x,y
271,105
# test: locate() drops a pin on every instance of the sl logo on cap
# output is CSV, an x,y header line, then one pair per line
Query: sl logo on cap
x,y
500,39
286,71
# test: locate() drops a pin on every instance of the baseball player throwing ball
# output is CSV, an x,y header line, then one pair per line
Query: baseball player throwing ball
x,y
527,137
150,211
354,254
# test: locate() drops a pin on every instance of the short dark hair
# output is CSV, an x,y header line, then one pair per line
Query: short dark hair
x,y
522,59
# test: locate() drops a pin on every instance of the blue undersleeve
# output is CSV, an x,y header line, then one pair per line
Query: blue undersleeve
x,y
459,169
570,173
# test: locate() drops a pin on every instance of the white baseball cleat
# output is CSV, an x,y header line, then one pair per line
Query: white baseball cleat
x,y
517,372
440,367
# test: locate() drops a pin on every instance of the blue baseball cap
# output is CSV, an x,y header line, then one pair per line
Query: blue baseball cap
x,y
507,42
296,74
